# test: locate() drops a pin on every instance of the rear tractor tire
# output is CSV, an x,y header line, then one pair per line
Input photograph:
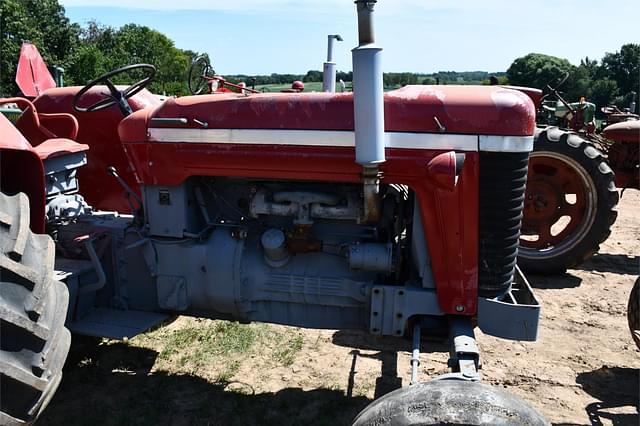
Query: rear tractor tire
x,y
33,306
570,203
633,312
449,402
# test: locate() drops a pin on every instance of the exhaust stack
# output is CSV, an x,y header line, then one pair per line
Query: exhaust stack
x,y
329,68
368,105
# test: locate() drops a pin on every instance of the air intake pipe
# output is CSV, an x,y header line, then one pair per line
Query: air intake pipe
x,y
368,106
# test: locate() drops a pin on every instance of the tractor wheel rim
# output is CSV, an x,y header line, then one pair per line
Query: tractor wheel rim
x,y
546,204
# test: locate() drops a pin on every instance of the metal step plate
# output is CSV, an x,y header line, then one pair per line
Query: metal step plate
x,y
116,324
514,316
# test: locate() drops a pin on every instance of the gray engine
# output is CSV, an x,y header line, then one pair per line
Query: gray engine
x,y
292,253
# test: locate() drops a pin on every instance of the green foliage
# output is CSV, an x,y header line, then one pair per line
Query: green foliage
x,y
624,68
614,81
603,92
41,22
87,52
537,70
286,348
105,48
312,76
87,63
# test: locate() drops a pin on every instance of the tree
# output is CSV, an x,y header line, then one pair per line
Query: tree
x,y
312,75
105,48
87,63
624,68
603,92
538,70
41,22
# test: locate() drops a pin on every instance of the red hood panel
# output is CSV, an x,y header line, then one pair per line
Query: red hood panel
x,y
626,131
485,110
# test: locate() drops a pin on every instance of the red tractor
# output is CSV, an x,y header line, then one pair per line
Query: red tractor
x,y
574,174
397,214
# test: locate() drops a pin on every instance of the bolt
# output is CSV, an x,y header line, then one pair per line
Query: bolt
x,y
459,308
375,330
398,331
401,293
376,291
375,314
399,315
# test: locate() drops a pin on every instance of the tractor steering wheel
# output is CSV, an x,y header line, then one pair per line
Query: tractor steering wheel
x,y
115,96
200,72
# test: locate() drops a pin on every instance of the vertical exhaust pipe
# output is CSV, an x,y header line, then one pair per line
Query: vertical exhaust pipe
x,y
368,105
329,68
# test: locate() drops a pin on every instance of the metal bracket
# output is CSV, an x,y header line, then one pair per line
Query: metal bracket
x,y
464,359
392,306
95,261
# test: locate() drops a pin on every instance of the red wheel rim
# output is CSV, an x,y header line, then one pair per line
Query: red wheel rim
x,y
559,205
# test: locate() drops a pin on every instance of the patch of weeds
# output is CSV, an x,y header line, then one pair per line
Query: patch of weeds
x,y
211,345
233,338
230,370
178,340
285,353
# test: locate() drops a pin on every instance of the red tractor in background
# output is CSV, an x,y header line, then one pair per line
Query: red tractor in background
x,y
397,214
573,181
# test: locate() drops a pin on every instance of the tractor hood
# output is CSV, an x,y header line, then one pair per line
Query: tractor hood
x,y
471,110
626,131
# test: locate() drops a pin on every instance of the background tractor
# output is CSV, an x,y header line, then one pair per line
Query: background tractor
x,y
397,214
573,181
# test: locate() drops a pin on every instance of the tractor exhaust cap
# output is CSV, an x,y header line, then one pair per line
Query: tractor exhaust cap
x,y
365,21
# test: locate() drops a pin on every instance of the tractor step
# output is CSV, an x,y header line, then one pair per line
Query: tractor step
x,y
116,324
513,316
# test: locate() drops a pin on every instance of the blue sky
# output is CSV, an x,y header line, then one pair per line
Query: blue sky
x,y
287,36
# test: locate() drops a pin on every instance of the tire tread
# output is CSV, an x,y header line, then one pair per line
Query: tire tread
x,y
33,310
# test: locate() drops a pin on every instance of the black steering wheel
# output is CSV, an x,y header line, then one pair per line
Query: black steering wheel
x,y
115,96
200,72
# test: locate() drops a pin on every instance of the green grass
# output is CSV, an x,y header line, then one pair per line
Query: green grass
x,y
220,346
286,353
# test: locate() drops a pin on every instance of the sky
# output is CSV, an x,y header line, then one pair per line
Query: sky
x,y
286,36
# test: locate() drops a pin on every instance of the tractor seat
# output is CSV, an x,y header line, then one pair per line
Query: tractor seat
x,y
57,147
44,142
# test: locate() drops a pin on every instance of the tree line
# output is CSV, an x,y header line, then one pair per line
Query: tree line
x,y
86,52
89,51
613,80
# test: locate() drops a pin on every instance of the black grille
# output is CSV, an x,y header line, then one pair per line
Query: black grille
x,y
502,183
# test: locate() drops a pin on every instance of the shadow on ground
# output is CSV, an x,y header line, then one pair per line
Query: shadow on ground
x,y
615,388
617,263
388,348
559,281
113,385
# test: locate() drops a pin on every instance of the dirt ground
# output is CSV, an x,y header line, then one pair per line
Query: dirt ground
x,y
583,370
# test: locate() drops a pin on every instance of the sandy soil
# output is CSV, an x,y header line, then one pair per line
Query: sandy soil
x,y
583,370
